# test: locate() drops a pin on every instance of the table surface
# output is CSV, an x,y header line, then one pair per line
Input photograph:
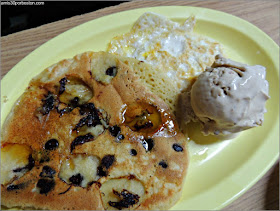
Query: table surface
x,y
264,195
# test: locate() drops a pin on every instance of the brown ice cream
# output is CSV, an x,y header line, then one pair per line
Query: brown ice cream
x,y
228,97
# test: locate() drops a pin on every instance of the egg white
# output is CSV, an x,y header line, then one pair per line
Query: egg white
x,y
168,46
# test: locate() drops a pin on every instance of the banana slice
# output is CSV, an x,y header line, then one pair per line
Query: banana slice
x,y
142,117
16,160
74,89
104,69
122,194
75,170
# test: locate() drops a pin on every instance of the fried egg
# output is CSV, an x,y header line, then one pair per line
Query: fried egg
x,y
168,46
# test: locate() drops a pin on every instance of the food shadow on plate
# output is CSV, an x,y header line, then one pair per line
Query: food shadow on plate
x,y
191,129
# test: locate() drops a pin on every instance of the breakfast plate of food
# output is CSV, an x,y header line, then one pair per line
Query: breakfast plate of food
x,y
152,108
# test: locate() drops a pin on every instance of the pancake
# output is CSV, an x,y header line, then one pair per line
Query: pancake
x,y
86,134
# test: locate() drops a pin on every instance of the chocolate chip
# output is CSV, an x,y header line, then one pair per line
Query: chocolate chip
x,y
101,172
63,108
45,185
48,103
81,140
74,102
87,108
177,148
29,166
15,187
115,130
163,164
51,144
76,179
47,172
112,71
148,144
12,187
62,82
127,199
90,120
133,152
107,161
31,163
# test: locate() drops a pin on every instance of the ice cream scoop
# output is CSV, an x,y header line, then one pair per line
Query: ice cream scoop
x,y
229,97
